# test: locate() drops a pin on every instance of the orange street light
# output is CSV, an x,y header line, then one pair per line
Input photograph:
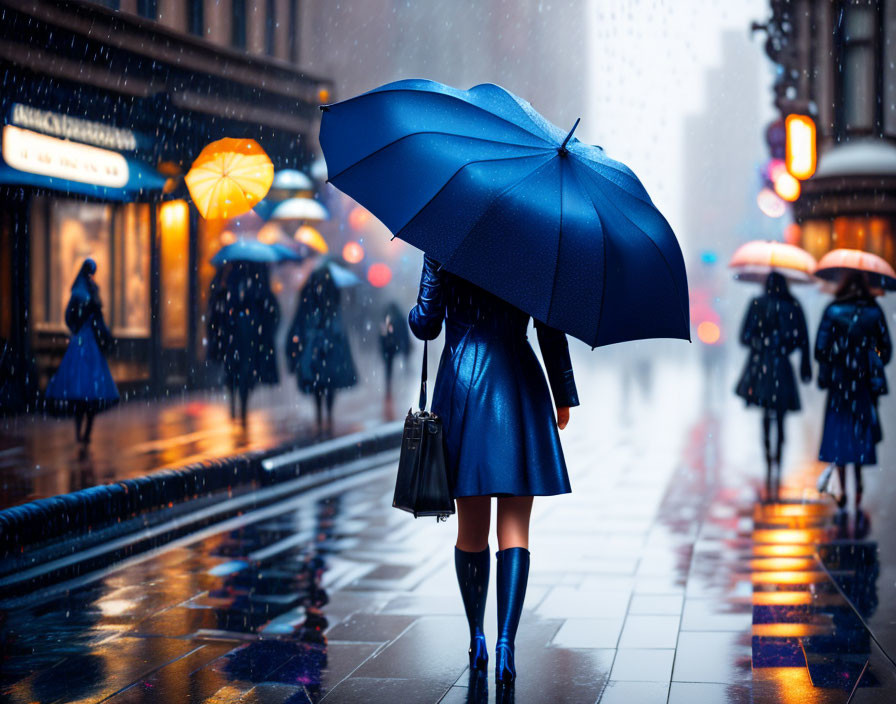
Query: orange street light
x,y
787,187
800,150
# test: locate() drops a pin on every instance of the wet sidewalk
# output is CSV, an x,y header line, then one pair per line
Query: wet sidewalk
x,y
651,582
39,456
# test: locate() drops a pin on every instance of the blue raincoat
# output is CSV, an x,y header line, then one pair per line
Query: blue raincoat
x,y
500,433
852,347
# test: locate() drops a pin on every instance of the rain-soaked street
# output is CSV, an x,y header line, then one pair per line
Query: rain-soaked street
x,y
661,578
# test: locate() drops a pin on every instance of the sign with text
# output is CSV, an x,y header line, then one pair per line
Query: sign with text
x,y
59,158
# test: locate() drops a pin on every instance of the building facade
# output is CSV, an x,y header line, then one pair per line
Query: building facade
x,y
836,63
104,107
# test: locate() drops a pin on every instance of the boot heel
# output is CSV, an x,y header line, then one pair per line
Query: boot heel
x,y
478,653
505,670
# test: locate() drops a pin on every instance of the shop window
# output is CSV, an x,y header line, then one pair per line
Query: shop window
x,y
174,236
70,231
130,317
63,234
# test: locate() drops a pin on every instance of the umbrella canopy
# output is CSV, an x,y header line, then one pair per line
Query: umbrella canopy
x,y
286,253
512,203
840,262
292,180
342,277
755,260
229,177
244,250
312,239
300,209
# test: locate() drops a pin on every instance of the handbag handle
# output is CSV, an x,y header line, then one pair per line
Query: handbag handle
x,y
423,380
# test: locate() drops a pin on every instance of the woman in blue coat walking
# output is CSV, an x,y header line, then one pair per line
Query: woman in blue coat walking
x,y
774,327
83,385
501,439
852,348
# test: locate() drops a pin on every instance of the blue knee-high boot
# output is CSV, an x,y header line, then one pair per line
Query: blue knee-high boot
x,y
472,577
513,575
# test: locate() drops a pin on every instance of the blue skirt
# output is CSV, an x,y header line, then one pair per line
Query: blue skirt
x,y
500,434
851,428
83,381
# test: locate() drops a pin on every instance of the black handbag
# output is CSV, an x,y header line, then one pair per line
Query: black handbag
x,y
422,486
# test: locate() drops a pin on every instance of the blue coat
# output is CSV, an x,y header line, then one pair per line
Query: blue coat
x,y
317,347
774,327
852,347
83,381
500,433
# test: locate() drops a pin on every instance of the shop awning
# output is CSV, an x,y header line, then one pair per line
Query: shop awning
x,y
142,182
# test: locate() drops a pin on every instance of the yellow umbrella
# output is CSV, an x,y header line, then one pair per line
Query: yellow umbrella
x,y
229,177
310,237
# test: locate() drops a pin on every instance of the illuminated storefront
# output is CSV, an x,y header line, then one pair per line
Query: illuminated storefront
x,y
92,166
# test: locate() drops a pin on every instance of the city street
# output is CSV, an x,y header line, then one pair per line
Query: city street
x,y
660,579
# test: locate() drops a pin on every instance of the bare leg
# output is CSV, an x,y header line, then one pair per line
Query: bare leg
x,y
88,428
513,521
331,397
841,474
473,519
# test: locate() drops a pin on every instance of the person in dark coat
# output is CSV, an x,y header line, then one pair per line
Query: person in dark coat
x,y
317,346
247,332
773,328
83,385
852,347
394,341
501,438
217,314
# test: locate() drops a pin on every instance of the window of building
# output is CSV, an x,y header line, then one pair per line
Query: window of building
x,y
859,68
196,17
294,31
148,8
238,24
270,28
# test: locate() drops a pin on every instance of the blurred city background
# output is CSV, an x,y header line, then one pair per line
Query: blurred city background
x,y
105,108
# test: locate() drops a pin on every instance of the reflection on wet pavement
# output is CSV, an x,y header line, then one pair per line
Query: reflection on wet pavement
x,y
661,579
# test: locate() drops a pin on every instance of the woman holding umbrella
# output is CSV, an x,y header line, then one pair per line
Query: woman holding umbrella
x,y
526,221
773,328
394,341
317,347
83,385
852,347
246,335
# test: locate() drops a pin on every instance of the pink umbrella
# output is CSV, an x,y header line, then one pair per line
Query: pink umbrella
x,y
755,260
838,263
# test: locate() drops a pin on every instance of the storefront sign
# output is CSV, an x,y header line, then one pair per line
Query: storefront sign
x,y
58,158
73,128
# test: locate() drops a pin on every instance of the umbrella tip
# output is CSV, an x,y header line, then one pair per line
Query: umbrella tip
x,y
562,149
324,108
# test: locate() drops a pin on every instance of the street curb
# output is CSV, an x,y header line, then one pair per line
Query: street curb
x,y
38,524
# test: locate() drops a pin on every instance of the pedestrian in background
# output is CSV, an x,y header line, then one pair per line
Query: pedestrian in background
x,y
852,348
317,347
501,439
246,326
83,385
394,341
773,328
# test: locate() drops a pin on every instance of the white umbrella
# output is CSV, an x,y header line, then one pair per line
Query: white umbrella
x,y
300,209
292,180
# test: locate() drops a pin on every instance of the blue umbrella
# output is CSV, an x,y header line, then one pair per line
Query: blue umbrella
x,y
342,277
285,253
512,203
246,251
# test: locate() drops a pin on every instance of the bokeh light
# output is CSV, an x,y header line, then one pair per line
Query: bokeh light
x,y
359,217
353,252
379,275
787,187
708,332
770,204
